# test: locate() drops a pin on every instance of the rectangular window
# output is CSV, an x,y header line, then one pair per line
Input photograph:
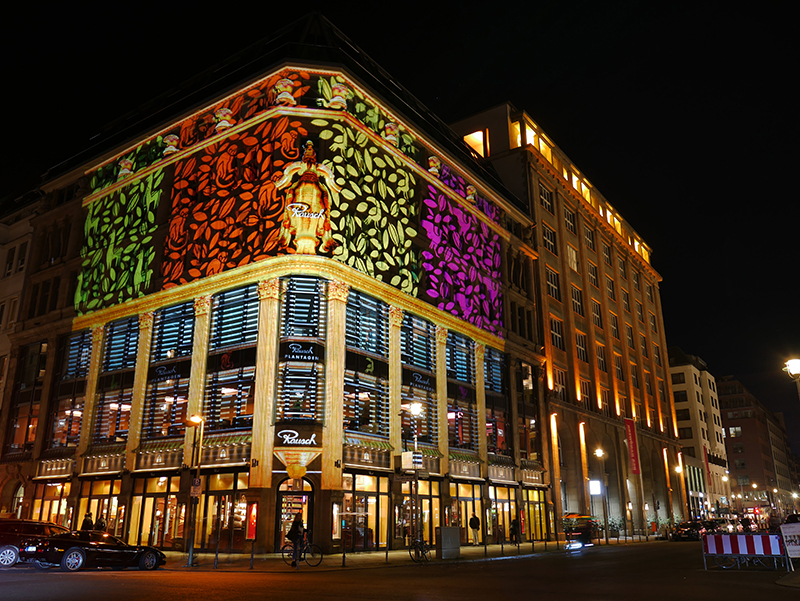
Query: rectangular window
x,y
366,404
597,314
577,300
580,345
546,198
557,333
173,332
629,336
614,325
572,258
122,339
639,312
657,354
494,366
735,431
634,376
653,326
234,318
553,288
460,355
588,235
367,324
586,390
680,396
300,391
678,378
601,358
560,383
607,254
649,289
593,277
569,220
618,370
626,300
21,256
425,425
417,339
610,288
622,269
10,261
643,345
165,408
684,433
304,308
549,238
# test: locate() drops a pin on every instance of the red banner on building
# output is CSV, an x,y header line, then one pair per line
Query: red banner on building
x,y
633,447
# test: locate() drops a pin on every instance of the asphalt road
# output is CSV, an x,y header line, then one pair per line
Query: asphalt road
x,y
652,571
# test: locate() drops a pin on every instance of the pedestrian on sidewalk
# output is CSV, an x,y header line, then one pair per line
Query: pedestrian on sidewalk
x,y
296,534
475,526
87,524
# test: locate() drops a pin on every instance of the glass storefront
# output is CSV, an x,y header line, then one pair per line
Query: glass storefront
x,y
466,499
429,511
366,512
156,517
534,516
294,496
102,499
502,510
50,503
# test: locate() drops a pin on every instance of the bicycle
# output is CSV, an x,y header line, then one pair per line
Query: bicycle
x,y
419,551
308,552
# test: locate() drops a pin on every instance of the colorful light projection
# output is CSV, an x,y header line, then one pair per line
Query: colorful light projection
x,y
118,251
461,267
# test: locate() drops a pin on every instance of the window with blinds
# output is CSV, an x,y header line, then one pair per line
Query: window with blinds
x,y
173,333
113,415
366,404
165,408
75,355
462,424
234,318
303,308
230,398
425,425
460,358
417,339
301,388
67,409
367,324
494,366
122,339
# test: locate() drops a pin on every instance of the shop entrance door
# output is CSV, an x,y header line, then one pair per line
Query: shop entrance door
x,y
293,496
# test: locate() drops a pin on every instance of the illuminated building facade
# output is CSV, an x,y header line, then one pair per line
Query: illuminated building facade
x,y
702,437
605,374
298,259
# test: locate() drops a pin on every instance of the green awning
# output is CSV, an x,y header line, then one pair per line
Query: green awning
x,y
501,460
161,446
368,443
227,440
465,457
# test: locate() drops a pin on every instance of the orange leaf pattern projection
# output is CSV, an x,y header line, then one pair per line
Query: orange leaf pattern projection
x,y
226,207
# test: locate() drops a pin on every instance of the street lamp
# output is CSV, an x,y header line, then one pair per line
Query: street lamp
x,y
195,420
600,454
793,369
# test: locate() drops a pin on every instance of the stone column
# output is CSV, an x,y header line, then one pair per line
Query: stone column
x,y
480,407
395,380
261,449
90,397
139,389
333,430
197,376
441,397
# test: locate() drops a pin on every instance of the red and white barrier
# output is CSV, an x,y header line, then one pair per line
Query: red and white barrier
x,y
763,545
738,548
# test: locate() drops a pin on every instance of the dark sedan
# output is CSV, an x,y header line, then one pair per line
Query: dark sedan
x,y
75,550
689,531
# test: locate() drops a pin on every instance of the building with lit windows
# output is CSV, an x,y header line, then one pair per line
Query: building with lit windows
x,y
759,454
701,434
299,260
605,375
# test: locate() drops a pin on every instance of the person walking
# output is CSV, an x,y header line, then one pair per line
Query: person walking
x,y
295,534
100,524
87,524
475,526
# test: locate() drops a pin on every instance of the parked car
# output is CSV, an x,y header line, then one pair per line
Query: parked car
x,y
689,531
72,551
13,532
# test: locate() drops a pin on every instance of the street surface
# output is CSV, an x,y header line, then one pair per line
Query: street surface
x,y
652,571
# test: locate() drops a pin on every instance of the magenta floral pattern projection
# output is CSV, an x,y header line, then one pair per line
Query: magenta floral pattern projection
x,y
460,187
461,268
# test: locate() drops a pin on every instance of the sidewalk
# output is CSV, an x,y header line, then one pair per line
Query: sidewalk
x,y
273,562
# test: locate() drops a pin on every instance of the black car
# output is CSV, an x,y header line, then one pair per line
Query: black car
x,y
75,550
689,531
13,532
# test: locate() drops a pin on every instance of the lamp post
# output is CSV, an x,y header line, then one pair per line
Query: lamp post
x,y
195,420
728,495
415,409
792,368
599,453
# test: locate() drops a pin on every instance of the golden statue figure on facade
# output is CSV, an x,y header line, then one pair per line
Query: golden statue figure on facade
x,y
306,218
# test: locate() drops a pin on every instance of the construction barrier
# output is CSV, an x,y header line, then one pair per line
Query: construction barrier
x,y
728,550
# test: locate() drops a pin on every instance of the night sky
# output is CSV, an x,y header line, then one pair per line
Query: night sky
x,y
684,118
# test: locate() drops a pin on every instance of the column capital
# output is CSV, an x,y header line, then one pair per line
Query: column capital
x,y
202,305
269,289
338,290
145,320
441,335
395,316
480,350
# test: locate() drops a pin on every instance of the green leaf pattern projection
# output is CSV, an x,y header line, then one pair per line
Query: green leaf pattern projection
x,y
118,251
375,220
